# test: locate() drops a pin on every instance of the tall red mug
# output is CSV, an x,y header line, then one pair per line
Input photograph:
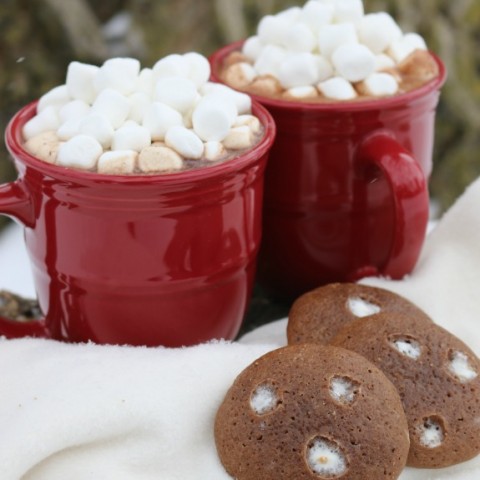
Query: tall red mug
x,y
140,259
346,191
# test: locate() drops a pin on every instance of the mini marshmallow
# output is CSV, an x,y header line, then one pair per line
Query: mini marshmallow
x,y
46,120
299,38
131,136
380,84
291,14
97,125
159,158
298,70
324,68
432,434
80,81
330,37
145,82
199,68
159,118
73,109
250,121
56,97
239,75
337,88
120,162
325,458
238,138
402,48
383,62
44,146
185,142
177,92
263,400
139,103
252,48
213,117
69,129
315,14
174,65
378,31
265,86
354,62
113,105
242,101
214,151
461,367
118,74
361,308
301,93
348,11
271,29
81,151
269,60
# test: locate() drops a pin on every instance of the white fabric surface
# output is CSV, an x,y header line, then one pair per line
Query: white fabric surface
x,y
87,412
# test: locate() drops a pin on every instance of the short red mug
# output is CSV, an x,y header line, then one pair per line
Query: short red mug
x,y
140,260
346,190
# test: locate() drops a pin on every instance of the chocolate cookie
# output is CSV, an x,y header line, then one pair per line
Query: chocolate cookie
x,y
317,316
437,377
312,412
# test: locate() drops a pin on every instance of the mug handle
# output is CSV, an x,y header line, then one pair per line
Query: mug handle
x,y
15,202
409,189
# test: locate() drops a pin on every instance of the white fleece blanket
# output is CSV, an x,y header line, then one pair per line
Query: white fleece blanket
x,y
87,412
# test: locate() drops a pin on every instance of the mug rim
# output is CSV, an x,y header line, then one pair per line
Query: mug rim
x,y
14,141
338,106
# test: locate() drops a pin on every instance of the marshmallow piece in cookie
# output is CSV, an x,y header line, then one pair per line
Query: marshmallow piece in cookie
x,y
177,92
173,65
118,74
113,105
252,48
81,151
198,68
214,151
185,142
380,84
56,97
79,81
238,138
348,11
270,60
97,125
73,109
378,31
139,103
213,117
120,162
316,14
337,88
299,38
354,62
403,47
159,118
239,75
298,70
131,136
159,158
332,36
46,120
44,146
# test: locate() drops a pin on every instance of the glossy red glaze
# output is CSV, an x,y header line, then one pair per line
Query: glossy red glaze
x,y
343,196
141,260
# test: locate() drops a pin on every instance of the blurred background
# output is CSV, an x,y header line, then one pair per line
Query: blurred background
x,y
38,38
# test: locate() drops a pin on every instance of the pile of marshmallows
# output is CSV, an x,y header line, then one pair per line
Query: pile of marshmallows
x,y
330,45
119,119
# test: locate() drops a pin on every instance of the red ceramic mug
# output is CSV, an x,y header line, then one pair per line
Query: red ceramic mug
x,y
140,260
346,187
